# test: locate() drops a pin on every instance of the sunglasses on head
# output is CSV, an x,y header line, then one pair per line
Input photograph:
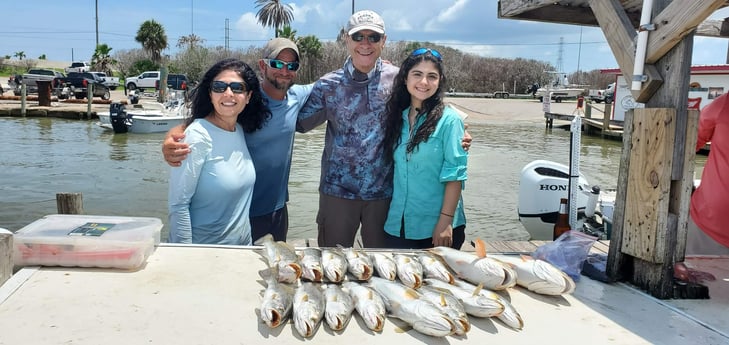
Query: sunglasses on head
x,y
358,37
220,87
421,51
278,64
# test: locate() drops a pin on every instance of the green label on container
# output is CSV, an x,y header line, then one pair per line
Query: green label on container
x,y
91,229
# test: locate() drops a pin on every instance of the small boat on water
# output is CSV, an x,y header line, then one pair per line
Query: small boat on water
x,y
559,90
541,186
144,117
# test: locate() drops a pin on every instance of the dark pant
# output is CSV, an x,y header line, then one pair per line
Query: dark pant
x,y
395,242
339,219
275,223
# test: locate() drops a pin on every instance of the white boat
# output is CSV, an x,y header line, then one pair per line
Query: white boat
x,y
541,186
559,90
145,117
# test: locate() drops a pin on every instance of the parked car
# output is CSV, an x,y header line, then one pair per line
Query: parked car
x,y
111,82
177,82
77,83
146,80
605,95
79,66
31,78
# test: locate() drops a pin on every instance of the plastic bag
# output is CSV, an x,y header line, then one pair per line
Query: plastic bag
x,y
568,252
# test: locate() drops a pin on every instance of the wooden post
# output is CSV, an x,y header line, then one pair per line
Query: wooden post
x,y
606,118
23,94
89,99
588,111
70,203
6,255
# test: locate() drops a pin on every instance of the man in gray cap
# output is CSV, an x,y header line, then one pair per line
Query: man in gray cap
x,y
355,186
271,146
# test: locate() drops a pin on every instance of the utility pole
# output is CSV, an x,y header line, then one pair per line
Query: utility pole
x,y
192,23
97,24
352,6
227,34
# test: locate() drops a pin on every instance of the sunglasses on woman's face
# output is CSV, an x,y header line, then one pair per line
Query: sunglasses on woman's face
x,y
220,86
358,37
278,64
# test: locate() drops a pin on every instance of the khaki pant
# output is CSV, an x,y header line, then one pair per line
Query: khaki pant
x,y
339,219
699,243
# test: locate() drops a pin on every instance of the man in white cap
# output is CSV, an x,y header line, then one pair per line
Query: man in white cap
x,y
270,146
355,186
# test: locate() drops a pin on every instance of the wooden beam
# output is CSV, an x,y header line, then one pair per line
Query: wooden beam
x,y
674,23
621,36
713,28
515,8
681,190
646,203
6,255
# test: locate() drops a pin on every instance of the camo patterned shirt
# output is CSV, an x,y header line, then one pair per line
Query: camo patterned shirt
x,y
353,165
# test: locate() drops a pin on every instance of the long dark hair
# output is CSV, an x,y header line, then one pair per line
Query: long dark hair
x,y
400,99
255,113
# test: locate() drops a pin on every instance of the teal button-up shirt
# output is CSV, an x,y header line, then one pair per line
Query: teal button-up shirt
x,y
421,176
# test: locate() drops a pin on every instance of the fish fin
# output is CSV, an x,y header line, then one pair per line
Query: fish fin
x,y
265,238
478,289
480,248
443,300
411,294
526,258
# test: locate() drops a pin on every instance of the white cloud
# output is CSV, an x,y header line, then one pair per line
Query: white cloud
x,y
248,28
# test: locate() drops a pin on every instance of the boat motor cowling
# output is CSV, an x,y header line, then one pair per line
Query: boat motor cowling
x,y
118,117
541,186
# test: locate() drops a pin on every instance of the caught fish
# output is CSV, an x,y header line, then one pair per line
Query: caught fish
x,y
339,307
369,305
309,308
448,304
334,264
385,265
277,299
538,275
283,255
407,304
478,269
434,268
311,268
409,270
474,302
510,316
358,263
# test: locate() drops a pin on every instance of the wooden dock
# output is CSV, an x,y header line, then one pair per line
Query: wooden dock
x,y
601,125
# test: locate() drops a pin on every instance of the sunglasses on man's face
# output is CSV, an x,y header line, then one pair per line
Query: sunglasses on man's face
x,y
358,37
220,87
278,64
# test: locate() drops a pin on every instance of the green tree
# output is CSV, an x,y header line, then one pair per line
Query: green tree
x,y
20,55
189,41
151,35
42,57
101,60
274,14
287,32
311,49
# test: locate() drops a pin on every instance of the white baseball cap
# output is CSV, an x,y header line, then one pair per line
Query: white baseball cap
x,y
365,20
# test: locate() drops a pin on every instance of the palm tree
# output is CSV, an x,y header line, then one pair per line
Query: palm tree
x,y
287,32
20,55
191,40
101,60
153,38
274,14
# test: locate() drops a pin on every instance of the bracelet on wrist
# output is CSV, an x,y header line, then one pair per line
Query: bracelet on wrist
x,y
446,214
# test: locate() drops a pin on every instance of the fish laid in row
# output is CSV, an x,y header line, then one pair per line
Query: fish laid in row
x,y
309,308
283,255
478,269
407,304
538,275
277,300
369,305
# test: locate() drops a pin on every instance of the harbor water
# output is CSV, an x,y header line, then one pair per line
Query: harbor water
x,y
125,175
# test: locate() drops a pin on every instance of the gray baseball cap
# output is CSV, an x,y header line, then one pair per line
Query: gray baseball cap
x,y
365,20
276,45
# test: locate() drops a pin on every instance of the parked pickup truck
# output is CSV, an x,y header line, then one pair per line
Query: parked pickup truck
x,y
77,84
146,80
599,96
33,76
111,82
80,66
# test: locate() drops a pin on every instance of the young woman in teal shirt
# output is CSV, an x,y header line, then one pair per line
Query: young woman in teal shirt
x,y
423,139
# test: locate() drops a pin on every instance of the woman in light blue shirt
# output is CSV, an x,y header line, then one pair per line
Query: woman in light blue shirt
x,y
423,138
210,193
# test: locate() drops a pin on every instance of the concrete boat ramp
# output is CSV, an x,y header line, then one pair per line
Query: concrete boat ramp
x,y
211,295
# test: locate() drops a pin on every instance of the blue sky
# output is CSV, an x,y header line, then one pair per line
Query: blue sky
x,y
63,30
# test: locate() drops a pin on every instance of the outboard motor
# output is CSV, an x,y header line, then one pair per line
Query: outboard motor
x,y
541,186
118,117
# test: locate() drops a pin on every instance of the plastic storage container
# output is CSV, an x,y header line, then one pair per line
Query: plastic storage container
x,y
87,241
